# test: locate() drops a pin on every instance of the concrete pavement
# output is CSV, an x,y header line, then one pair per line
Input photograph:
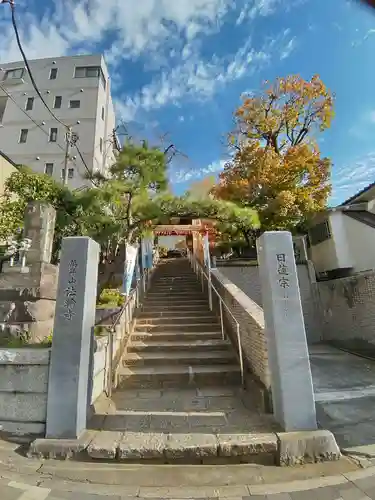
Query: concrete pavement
x,y
25,479
354,485
344,386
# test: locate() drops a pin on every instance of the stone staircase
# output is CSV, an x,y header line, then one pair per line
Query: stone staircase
x,y
179,396
177,341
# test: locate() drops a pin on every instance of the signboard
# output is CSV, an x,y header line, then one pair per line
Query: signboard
x,y
148,246
143,254
206,251
131,257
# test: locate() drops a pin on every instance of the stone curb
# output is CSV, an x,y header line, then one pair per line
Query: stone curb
x,y
284,449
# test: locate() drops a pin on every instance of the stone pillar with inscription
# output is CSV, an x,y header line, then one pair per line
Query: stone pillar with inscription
x,y
72,338
291,380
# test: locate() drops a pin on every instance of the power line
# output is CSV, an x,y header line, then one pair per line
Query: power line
x,y
91,177
69,129
12,8
27,114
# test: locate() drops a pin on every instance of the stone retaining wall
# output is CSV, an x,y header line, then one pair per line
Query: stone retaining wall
x,y
246,276
252,331
23,390
347,308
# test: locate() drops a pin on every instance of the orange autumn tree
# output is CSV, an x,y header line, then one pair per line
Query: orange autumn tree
x,y
276,167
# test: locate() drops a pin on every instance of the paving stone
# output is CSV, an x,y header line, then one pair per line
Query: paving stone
x,y
232,491
191,492
191,445
352,493
307,447
246,444
370,493
104,445
79,495
142,445
169,422
366,484
280,496
213,419
8,493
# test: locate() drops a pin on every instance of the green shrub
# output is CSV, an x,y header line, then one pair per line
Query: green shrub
x,y
111,297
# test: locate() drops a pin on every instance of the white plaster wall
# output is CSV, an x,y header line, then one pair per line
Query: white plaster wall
x,y
324,256
339,235
23,390
247,279
361,244
333,253
90,129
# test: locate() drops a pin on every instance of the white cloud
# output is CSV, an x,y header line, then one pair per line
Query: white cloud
x,y
195,174
200,79
351,178
166,34
290,46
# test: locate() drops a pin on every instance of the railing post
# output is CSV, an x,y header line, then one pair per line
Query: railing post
x,y
110,362
221,318
202,280
209,290
240,354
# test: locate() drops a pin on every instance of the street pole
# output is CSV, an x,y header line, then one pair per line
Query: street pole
x,y
68,137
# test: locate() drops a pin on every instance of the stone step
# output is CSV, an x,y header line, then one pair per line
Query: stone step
x,y
174,313
184,307
162,280
175,301
180,294
176,288
165,376
179,320
177,327
185,447
178,345
179,358
174,336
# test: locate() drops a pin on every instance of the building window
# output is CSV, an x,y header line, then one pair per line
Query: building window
x,y
53,74
102,79
70,173
90,72
87,72
75,104
14,74
102,112
58,101
319,233
101,145
48,168
53,135
29,103
23,135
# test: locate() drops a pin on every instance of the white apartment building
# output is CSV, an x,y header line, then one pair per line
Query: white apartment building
x,y
77,89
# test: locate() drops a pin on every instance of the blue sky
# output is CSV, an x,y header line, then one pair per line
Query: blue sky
x,y
180,67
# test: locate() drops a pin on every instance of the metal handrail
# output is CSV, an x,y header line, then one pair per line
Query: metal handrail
x,y
197,266
142,281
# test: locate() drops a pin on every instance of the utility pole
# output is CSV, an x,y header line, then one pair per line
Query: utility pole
x,y
71,138
68,136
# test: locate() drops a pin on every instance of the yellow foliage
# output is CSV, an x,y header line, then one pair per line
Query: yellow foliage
x,y
277,168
